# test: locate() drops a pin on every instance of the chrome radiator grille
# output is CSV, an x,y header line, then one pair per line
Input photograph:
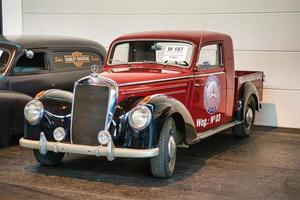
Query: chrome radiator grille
x,y
89,113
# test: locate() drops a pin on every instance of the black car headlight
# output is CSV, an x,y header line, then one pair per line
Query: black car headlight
x,y
34,111
140,117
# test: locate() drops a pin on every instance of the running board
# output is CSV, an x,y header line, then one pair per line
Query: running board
x,y
211,132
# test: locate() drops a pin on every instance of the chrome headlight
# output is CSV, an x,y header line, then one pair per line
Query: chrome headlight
x,y
34,111
139,117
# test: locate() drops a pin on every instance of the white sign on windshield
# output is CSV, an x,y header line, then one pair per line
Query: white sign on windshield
x,y
1,51
175,53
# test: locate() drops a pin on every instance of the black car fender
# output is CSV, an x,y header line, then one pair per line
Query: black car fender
x,y
58,106
19,102
247,90
12,105
162,107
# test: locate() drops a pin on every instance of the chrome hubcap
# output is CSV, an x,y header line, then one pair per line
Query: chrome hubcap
x,y
249,117
171,151
171,147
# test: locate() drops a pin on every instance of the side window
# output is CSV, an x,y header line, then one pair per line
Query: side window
x,y
28,66
70,61
210,57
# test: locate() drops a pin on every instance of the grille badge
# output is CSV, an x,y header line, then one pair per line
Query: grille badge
x,y
94,70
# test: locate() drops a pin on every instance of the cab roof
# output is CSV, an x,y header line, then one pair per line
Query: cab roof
x,y
43,41
192,36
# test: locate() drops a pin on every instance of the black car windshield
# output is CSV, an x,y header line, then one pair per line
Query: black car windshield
x,y
152,51
4,58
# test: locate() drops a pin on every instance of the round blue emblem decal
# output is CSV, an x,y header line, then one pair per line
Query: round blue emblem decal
x,y
212,94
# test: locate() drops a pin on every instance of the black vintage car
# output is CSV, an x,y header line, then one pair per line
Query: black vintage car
x,y
30,64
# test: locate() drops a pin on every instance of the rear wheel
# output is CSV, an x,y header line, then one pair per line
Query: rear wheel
x,y
50,158
163,165
245,128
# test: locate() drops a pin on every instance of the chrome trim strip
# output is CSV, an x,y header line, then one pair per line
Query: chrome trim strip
x,y
10,62
89,150
170,79
205,134
175,92
58,116
159,88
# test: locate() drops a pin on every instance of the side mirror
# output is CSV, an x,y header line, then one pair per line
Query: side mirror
x,y
29,54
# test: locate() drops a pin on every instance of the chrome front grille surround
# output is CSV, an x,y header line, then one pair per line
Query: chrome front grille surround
x,y
103,83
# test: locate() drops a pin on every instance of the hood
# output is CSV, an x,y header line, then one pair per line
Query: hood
x,y
139,75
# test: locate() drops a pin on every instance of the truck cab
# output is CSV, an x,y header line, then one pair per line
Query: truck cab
x,y
157,91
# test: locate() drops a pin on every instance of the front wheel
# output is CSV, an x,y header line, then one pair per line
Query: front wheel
x,y
50,158
245,128
163,165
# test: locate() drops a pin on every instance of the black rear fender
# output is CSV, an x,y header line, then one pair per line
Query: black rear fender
x,y
12,109
247,90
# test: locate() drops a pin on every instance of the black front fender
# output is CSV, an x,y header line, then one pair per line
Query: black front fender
x,y
58,106
165,107
162,107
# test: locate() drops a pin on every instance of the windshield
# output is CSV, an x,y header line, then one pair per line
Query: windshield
x,y
4,58
153,51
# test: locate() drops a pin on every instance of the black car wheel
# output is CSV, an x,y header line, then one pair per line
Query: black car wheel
x,y
245,128
50,158
163,165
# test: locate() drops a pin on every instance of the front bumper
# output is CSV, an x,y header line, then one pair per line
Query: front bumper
x,y
109,151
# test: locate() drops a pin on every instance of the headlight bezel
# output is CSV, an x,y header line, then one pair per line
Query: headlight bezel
x,y
39,107
146,111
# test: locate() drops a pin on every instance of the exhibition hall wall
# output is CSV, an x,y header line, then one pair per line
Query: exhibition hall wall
x,y
266,35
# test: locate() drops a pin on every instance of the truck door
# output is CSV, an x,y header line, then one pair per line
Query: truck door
x,y
209,97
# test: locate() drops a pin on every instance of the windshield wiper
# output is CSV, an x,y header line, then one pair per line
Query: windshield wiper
x,y
182,63
149,61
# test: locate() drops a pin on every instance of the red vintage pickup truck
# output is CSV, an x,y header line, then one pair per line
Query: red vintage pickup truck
x,y
158,91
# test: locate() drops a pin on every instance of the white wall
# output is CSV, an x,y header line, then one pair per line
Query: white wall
x,y
266,35
12,16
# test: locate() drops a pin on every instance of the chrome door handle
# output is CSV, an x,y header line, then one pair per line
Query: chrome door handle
x,y
198,84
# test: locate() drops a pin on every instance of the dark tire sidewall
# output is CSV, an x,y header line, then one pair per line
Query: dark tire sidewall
x,y
160,164
241,130
50,158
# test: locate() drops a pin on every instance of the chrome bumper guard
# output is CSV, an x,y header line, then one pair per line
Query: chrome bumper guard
x,y
109,151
